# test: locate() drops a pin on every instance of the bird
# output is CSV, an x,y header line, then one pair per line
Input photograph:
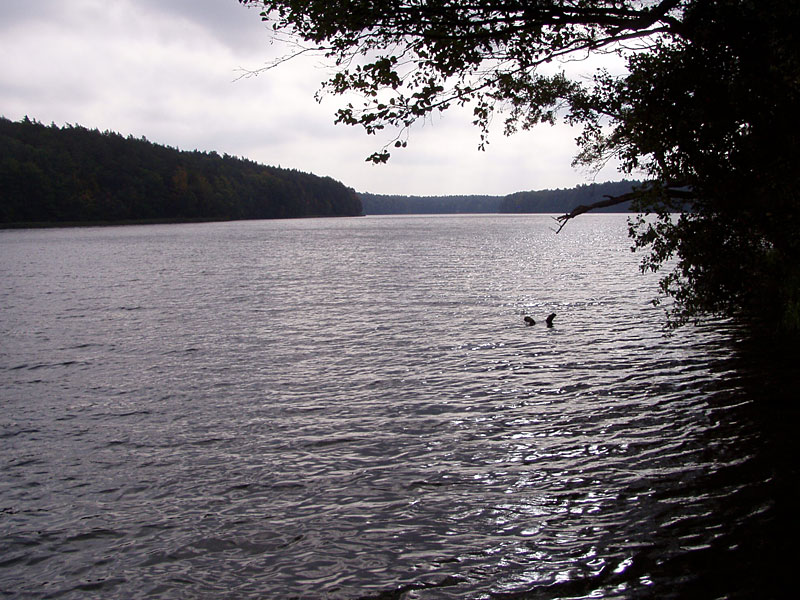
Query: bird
x,y
529,321
549,319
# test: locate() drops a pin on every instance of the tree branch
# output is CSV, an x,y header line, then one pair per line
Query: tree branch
x,y
682,194
584,208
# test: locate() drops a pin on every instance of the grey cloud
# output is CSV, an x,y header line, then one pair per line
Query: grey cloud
x,y
235,26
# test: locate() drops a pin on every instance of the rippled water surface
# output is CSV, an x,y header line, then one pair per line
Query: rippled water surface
x,y
354,408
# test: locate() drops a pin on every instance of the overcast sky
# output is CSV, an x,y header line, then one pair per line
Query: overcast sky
x,y
169,70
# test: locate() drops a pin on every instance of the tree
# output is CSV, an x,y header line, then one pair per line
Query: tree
x,y
706,112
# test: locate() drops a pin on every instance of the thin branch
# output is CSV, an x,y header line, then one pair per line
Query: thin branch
x,y
609,201
247,73
682,194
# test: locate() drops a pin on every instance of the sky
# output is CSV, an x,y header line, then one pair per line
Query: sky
x,y
171,71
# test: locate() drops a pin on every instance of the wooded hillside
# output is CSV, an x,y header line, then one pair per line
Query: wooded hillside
x,y
51,174
557,201
563,201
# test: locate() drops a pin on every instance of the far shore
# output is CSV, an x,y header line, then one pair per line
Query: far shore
x,y
176,221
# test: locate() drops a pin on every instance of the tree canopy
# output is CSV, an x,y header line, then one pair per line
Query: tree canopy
x,y
73,174
705,112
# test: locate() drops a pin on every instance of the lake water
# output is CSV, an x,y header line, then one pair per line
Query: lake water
x,y
355,409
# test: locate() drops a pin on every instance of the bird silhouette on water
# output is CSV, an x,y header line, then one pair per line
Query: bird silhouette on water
x,y
549,320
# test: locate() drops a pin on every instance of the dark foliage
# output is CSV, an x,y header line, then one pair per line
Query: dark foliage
x,y
541,201
561,201
73,174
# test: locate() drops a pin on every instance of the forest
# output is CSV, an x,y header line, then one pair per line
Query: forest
x,y
543,201
52,175
392,204
563,201
58,175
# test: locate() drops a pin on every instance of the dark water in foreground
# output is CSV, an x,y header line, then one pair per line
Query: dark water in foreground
x,y
354,409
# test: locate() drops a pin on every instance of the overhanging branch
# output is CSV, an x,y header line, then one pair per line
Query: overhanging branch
x,y
584,208
682,194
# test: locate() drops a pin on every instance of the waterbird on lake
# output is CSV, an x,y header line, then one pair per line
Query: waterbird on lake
x,y
529,320
549,319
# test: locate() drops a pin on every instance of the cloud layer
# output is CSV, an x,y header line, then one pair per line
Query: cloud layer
x,y
169,71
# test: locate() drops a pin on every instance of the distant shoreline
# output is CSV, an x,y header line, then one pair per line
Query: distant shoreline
x,y
175,221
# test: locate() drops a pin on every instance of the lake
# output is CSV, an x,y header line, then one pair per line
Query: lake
x,y
355,409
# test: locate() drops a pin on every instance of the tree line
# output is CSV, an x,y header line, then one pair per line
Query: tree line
x,y
558,201
393,204
71,174
563,201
